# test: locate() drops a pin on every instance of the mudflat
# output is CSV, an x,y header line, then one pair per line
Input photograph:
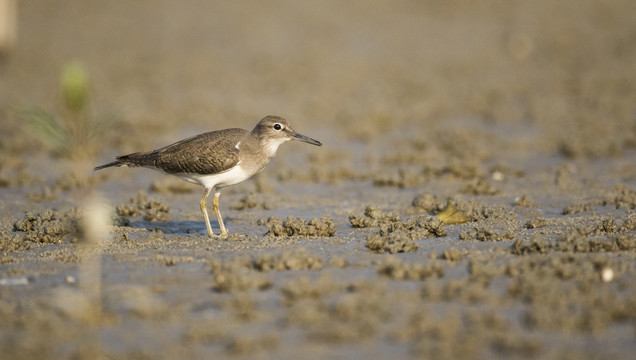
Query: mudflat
x,y
517,116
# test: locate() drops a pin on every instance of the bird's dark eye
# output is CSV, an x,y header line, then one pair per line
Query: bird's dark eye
x,y
277,127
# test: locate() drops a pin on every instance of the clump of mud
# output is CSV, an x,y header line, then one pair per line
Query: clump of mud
x,y
488,232
373,217
483,269
302,288
396,235
496,222
394,242
579,207
426,202
297,259
472,209
151,209
536,223
10,242
611,225
230,279
397,269
252,201
47,193
620,196
576,241
525,201
172,260
534,245
416,227
480,212
237,274
452,254
315,227
479,186
403,178
49,226
464,290
165,186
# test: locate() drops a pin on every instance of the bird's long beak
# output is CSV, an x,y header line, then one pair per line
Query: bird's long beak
x,y
297,136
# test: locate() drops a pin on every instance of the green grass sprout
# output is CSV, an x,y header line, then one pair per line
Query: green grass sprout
x,y
71,133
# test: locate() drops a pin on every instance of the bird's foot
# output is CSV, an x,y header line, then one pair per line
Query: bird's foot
x,y
221,236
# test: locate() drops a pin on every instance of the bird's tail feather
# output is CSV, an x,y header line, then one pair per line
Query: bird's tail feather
x,y
110,164
131,160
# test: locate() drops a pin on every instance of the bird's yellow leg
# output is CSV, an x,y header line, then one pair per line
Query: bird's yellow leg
x,y
204,210
215,206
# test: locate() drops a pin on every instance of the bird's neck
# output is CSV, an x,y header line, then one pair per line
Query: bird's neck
x,y
260,150
266,146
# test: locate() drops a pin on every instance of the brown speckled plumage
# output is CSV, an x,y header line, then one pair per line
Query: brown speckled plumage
x,y
207,153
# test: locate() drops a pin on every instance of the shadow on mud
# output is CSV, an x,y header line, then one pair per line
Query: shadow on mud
x,y
173,227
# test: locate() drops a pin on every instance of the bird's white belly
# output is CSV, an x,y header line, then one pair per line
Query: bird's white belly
x,y
232,176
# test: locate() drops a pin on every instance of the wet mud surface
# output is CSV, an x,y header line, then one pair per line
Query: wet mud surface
x,y
474,197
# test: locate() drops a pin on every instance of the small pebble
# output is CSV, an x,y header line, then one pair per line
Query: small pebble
x,y
607,275
497,176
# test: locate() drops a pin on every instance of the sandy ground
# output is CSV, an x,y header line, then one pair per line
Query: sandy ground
x,y
521,115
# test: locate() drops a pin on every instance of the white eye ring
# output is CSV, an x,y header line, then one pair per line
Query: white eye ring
x,y
277,127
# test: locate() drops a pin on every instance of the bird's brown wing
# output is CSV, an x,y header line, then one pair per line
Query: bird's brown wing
x,y
207,153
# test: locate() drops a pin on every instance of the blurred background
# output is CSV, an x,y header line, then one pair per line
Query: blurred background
x,y
446,79
520,114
